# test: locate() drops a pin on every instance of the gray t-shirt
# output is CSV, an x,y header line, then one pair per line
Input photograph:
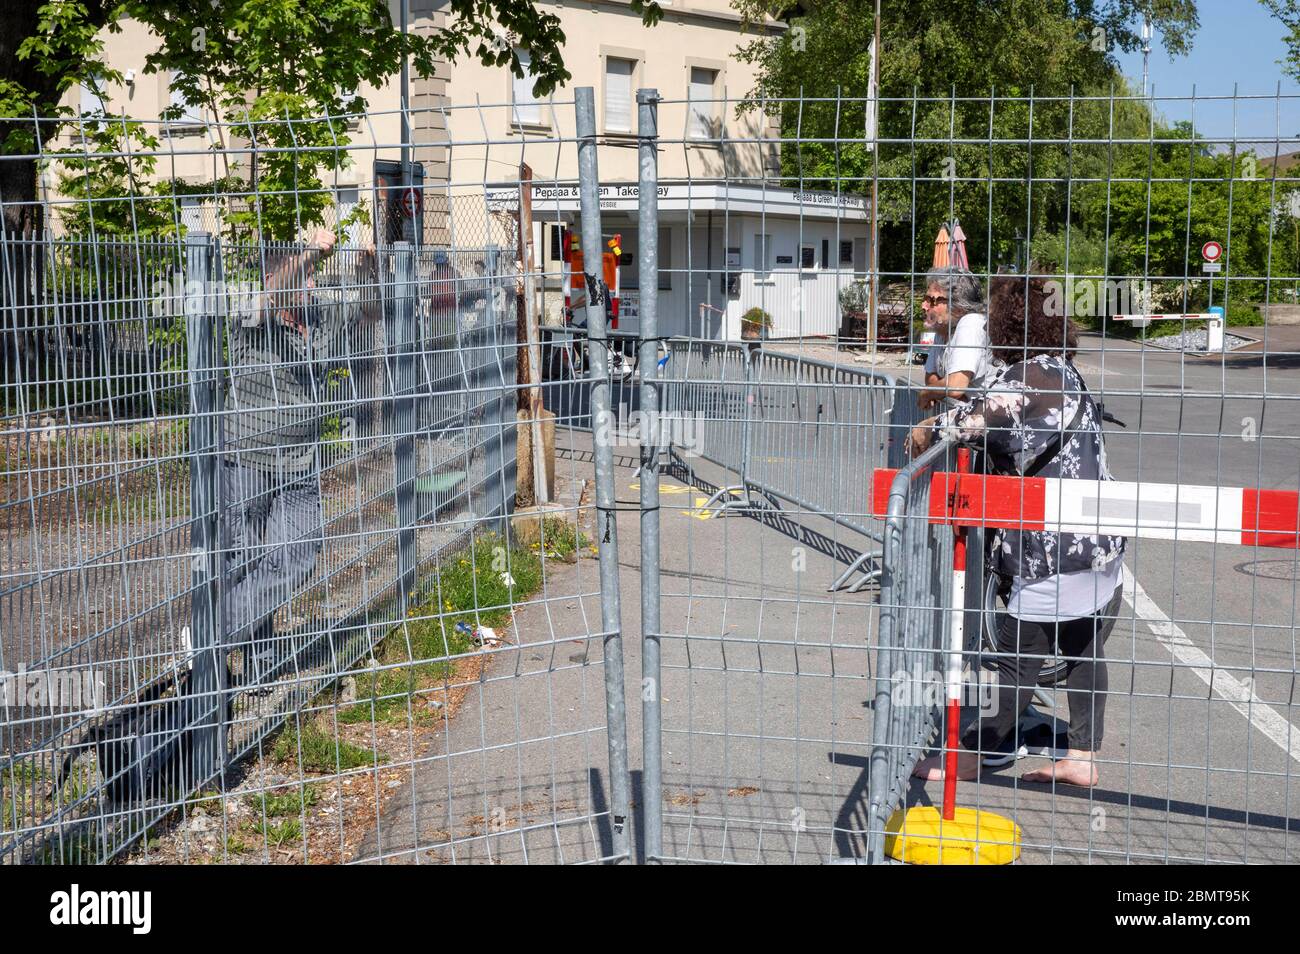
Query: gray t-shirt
x,y
278,380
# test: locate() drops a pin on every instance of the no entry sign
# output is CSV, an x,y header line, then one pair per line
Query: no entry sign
x,y
411,202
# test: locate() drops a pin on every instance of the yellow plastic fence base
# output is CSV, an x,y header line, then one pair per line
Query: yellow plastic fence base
x,y
920,836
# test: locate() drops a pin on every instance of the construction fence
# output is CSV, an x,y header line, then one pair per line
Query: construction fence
x,y
267,594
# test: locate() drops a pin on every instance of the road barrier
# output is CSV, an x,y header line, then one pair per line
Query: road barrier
x,y
792,429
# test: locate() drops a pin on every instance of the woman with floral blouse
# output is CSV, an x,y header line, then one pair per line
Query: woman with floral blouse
x,y
1037,419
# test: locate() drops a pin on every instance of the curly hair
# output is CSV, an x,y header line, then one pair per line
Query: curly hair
x,y
1023,323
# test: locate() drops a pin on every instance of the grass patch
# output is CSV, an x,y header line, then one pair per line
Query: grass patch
x,y
477,587
281,833
561,539
236,845
284,804
318,751
173,501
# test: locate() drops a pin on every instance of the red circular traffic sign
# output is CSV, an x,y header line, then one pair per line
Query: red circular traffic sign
x,y
411,202
1211,251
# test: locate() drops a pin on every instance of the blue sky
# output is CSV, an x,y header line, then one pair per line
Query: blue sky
x,y
1238,42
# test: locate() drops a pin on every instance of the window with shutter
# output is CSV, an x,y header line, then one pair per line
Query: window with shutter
x,y
701,94
528,108
92,102
618,94
188,115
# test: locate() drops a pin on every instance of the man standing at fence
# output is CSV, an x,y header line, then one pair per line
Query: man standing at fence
x,y
280,353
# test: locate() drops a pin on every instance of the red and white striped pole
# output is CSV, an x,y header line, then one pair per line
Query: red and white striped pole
x,y
956,640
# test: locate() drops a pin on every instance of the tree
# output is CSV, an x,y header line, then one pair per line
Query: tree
x,y
1288,12
940,64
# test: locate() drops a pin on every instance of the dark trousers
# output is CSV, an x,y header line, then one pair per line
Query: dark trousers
x,y
1022,646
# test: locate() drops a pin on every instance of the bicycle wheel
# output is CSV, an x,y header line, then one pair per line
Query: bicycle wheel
x,y
1054,669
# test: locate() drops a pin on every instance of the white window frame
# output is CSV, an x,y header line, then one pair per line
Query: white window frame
x,y
99,106
191,120
346,96
524,87
812,247
190,213
346,199
702,123
621,56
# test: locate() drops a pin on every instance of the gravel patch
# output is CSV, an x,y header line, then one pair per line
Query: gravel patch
x,y
1196,339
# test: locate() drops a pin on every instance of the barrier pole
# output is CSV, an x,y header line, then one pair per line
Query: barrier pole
x,y
956,639
602,429
647,360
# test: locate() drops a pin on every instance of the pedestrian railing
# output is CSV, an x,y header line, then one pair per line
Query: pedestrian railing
x,y
791,429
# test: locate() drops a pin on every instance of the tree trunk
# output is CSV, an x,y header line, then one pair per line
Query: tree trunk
x,y
22,223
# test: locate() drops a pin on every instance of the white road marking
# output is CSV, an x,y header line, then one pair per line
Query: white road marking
x,y
1238,694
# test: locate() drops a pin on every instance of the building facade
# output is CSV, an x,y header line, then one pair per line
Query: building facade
x,y
732,237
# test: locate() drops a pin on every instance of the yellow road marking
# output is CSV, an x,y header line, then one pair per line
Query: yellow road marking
x,y
698,512
665,488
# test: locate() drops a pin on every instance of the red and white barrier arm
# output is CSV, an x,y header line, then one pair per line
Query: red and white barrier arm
x,y
1232,515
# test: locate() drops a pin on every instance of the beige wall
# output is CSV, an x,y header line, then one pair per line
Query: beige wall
x,y
699,33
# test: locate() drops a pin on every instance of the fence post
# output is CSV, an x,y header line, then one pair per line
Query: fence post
x,y
494,417
648,361
602,430
203,342
403,375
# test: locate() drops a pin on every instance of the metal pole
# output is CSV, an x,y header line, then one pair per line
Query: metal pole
x,y
1146,50
873,320
603,452
648,361
204,354
402,351
408,221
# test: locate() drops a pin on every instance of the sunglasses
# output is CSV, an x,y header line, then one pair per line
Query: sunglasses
x,y
933,300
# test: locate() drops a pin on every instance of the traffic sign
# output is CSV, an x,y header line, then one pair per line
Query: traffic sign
x,y
1211,251
411,203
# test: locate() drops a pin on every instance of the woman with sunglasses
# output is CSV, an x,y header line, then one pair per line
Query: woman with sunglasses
x,y
954,311
1037,419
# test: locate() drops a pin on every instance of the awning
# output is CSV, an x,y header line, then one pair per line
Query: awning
x,y
551,200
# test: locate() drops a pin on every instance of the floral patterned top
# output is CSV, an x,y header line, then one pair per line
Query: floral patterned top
x,y
1020,418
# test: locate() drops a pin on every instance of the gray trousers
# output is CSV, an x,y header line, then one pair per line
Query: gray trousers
x,y
272,532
